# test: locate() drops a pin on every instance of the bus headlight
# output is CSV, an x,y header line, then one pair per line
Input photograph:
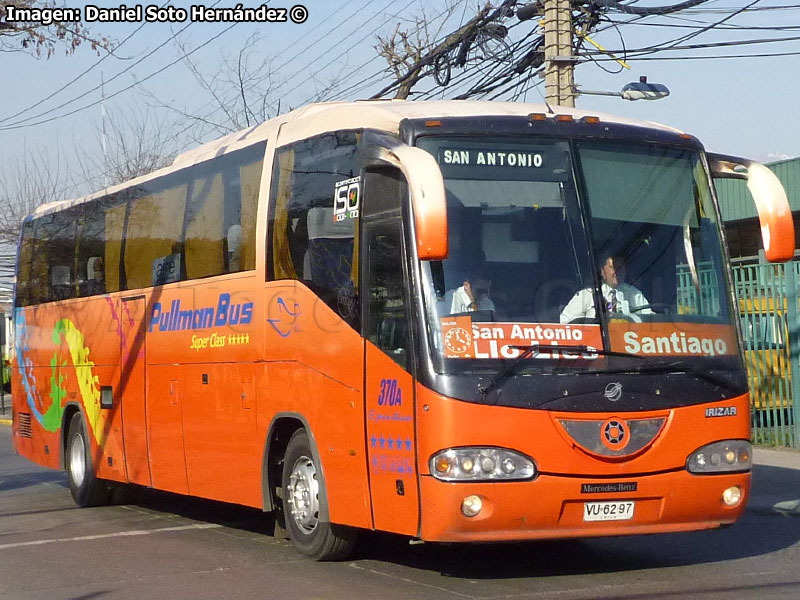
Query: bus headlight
x,y
481,464
729,456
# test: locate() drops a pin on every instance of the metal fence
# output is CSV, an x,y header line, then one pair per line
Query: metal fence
x,y
768,305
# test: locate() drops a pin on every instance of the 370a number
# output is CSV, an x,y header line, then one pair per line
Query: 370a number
x,y
391,394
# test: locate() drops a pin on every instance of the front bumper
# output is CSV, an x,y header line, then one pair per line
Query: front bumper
x,y
552,506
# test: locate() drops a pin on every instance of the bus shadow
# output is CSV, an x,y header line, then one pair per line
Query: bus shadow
x,y
18,481
234,516
761,530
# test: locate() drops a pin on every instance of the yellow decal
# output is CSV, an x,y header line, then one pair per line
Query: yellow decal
x,y
215,340
88,382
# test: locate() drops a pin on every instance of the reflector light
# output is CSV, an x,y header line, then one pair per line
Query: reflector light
x,y
471,506
433,123
564,118
732,496
537,117
591,120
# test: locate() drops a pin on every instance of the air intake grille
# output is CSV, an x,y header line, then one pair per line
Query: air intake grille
x,y
24,424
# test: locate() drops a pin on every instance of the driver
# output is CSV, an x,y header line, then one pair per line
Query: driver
x,y
620,298
474,293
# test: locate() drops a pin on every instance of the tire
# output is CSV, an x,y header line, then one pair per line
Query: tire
x,y
302,494
86,488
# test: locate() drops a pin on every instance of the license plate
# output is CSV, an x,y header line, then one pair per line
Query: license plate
x,y
608,511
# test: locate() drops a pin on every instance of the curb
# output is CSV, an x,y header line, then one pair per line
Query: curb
x,y
5,422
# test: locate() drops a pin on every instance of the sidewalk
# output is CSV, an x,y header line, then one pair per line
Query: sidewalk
x,y
5,415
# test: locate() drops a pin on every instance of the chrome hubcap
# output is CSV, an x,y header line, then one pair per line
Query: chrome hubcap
x,y
303,495
77,460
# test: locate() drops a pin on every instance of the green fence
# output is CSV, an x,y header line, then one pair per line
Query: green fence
x,y
768,305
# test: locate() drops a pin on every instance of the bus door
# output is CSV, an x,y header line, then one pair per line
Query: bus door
x,y
131,389
389,384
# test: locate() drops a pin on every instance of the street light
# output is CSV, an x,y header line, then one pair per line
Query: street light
x,y
638,90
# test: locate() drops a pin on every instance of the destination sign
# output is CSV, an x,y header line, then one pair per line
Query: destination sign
x,y
491,158
502,161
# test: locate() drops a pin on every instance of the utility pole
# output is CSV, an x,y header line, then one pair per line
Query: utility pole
x,y
559,75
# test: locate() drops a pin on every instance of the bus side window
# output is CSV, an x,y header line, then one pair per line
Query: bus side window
x,y
52,274
24,283
220,228
305,242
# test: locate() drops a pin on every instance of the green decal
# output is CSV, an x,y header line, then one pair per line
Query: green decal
x,y
51,420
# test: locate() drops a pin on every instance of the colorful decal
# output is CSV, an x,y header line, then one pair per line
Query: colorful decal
x,y
346,199
286,322
88,382
465,339
50,418
673,339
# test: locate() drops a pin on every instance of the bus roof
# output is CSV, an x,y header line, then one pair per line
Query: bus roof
x,y
314,119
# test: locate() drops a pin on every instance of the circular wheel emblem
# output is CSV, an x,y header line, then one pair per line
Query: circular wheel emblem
x,y
614,434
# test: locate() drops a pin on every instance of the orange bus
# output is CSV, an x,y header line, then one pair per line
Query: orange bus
x,y
352,316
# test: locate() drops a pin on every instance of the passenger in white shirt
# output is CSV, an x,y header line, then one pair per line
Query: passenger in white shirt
x,y
620,298
474,293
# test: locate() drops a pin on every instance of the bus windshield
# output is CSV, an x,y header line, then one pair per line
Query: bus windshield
x,y
610,248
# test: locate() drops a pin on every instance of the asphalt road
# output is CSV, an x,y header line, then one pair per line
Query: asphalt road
x,y
167,546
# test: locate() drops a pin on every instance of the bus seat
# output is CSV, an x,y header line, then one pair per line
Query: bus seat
x,y
60,282
330,250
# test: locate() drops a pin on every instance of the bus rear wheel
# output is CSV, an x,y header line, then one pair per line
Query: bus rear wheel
x,y
86,488
302,491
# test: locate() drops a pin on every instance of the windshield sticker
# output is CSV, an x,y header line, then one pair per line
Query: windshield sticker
x,y
491,158
346,199
673,339
464,339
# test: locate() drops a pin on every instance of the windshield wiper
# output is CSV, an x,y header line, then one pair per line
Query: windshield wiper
x,y
536,349
676,367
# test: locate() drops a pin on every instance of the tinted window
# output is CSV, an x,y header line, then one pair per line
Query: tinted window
x,y
308,241
197,222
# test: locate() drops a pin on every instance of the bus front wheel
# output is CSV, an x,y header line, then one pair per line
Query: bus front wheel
x,y
302,491
86,488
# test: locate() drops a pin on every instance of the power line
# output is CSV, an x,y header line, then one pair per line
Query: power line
x,y
125,89
338,56
69,83
17,124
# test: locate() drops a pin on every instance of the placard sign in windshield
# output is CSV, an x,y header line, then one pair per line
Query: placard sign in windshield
x,y
673,339
464,339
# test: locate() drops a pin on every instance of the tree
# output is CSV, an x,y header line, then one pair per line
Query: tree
x,y
41,37
133,141
237,93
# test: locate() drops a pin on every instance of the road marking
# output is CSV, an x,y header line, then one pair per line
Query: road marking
x,y
101,536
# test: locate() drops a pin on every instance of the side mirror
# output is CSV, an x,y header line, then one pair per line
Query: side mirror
x,y
428,196
774,213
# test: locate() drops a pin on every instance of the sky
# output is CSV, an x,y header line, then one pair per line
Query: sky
x,y
743,106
